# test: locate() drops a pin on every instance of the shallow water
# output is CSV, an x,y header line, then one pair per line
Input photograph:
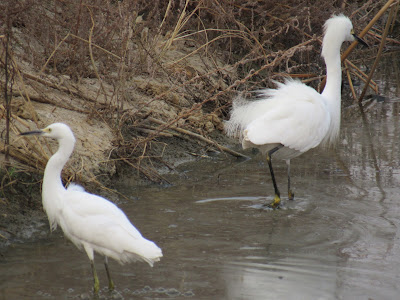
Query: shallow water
x,y
339,239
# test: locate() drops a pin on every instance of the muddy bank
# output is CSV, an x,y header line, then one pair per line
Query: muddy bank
x,y
100,157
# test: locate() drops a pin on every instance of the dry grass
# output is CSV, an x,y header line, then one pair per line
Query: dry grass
x,y
188,57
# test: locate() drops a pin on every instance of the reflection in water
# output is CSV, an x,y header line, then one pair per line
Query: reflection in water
x,y
285,278
339,239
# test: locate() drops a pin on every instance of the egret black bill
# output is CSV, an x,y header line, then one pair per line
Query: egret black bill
x,y
360,40
34,132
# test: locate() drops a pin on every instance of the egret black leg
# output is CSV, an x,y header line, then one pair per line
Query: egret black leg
x,y
277,198
110,282
290,192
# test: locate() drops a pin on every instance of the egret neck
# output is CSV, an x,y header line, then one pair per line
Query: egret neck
x,y
53,187
332,90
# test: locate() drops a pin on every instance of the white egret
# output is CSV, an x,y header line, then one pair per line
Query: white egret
x,y
89,221
290,120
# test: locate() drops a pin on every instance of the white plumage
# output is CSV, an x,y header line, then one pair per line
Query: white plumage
x,y
89,221
97,224
294,118
281,119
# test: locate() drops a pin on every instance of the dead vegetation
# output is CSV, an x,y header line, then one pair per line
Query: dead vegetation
x,y
132,77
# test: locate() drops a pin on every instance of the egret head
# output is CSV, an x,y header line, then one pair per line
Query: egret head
x,y
338,29
56,131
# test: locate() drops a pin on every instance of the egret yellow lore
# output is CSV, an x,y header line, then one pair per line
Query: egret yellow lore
x,y
89,221
294,118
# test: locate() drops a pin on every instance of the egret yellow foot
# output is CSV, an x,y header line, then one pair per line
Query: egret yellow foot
x,y
111,285
276,203
96,285
110,282
290,195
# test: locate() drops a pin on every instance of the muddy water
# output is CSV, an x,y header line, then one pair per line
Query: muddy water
x,y
339,239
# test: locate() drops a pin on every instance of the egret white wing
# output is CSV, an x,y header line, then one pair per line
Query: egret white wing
x,y
300,128
300,124
87,205
108,238
92,220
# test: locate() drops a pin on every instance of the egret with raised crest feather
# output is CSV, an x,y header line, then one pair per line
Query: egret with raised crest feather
x,y
294,118
89,221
